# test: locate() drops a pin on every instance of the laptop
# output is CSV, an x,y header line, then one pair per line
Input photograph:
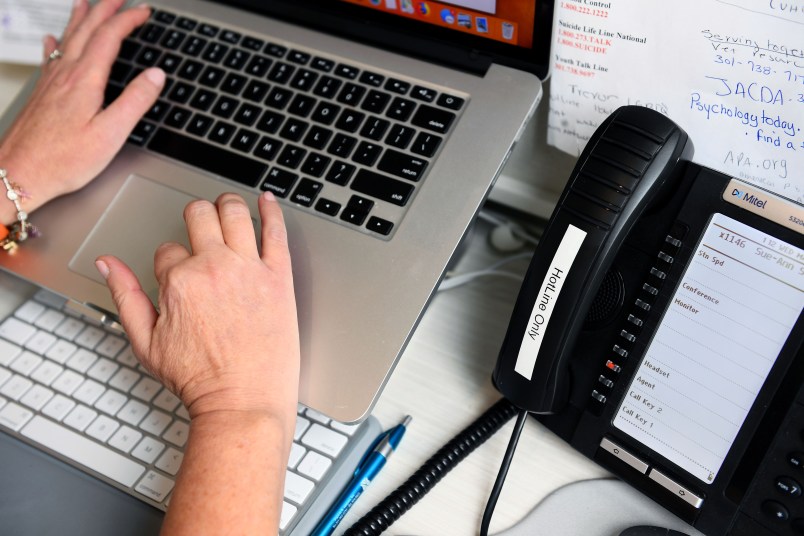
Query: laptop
x,y
380,125
469,73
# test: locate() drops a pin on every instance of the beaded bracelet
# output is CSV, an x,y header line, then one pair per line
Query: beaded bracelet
x,y
22,229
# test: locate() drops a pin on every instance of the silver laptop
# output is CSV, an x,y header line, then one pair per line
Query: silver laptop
x,y
381,125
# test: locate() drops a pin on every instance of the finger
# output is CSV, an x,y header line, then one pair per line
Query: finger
x,y
77,16
97,15
119,118
137,313
238,232
104,43
275,251
203,225
167,256
49,45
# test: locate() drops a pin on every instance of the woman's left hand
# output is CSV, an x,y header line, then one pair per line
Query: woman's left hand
x,y
63,137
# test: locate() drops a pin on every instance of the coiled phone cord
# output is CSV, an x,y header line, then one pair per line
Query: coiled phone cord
x,y
433,470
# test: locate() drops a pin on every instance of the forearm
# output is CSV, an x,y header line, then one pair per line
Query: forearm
x,y
232,477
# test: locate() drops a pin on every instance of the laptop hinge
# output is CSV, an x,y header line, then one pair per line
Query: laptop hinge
x,y
105,318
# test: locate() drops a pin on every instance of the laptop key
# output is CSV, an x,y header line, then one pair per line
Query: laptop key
x,y
426,144
278,51
402,165
306,192
222,132
279,182
194,45
217,160
433,119
317,137
200,125
382,187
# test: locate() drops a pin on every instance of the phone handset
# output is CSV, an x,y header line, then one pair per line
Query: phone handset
x,y
629,162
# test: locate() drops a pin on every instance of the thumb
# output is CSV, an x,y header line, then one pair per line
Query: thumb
x,y
122,115
137,313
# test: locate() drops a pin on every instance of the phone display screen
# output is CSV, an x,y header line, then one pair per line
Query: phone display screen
x,y
734,308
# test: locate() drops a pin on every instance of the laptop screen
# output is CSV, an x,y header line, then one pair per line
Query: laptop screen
x,y
468,34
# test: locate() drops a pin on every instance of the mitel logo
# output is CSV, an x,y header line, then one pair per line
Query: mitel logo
x,y
749,198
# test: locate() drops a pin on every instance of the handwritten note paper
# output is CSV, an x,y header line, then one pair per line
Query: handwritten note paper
x,y
730,72
23,25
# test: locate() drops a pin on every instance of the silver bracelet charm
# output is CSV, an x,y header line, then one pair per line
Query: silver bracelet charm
x,y
22,229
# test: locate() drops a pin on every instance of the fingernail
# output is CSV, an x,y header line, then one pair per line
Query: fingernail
x,y
143,6
77,3
103,268
155,75
268,196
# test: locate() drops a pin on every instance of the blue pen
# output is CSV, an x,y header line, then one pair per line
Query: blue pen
x,y
372,463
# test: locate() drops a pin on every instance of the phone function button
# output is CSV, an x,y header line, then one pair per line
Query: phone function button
x,y
642,305
619,350
625,456
657,273
673,241
599,397
605,381
788,486
775,510
677,489
665,257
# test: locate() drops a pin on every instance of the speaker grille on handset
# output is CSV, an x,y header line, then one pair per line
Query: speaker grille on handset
x,y
610,297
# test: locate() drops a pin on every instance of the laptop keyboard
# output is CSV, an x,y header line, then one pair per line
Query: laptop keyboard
x,y
349,144
73,387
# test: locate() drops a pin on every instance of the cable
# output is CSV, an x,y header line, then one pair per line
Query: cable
x,y
428,475
498,484
454,280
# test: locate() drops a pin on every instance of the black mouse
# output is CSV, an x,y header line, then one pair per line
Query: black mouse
x,y
645,530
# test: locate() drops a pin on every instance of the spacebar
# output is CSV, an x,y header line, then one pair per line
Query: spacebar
x,y
84,451
208,157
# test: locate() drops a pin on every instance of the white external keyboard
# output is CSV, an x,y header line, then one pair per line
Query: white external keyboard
x,y
72,387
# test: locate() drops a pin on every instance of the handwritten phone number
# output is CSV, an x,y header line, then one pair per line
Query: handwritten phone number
x,y
788,75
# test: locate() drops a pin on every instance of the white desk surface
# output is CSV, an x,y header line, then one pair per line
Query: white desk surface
x,y
444,382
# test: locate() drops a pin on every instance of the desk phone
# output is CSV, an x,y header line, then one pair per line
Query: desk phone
x,y
659,330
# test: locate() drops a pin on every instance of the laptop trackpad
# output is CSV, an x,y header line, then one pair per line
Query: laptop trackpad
x,y
143,215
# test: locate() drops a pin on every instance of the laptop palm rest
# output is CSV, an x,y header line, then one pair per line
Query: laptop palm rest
x,y
142,215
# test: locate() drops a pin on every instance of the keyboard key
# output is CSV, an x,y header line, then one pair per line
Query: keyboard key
x,y
297,452
278,51
125,438
279,182
146,389
376,101
230,37
166,400
247,114
324,440
423,94
372,79
151,33
205,156
133,412
194,45
287,515
301,105
325,206
281,73
279,98
297,56
252,43
8,352
258,66
381,226
297,488
110,346
173,39
426,144
102,428
61,351
155,423
111,401
29,311
351,94
304,80
49,320
291,156
177,433
83,451
346,71
200,124
400,136
342,145
67,382
268,148
374,128
124,380
36,397
315,164
340,173
148,449
322,64
233,83
81,360
14,416
367,153
40,342
154,486
450,101
222,132
402,165
80,417
350,120
401,109
170,461
314,465
102,370
215,52
245,140
306,192
16,331
293,130
325,113
382,187
270,122
58,407
317,137
327,87
89,391
397,86
70,328
433,119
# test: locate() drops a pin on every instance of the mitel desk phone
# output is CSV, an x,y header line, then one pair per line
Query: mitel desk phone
x,y
659,330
